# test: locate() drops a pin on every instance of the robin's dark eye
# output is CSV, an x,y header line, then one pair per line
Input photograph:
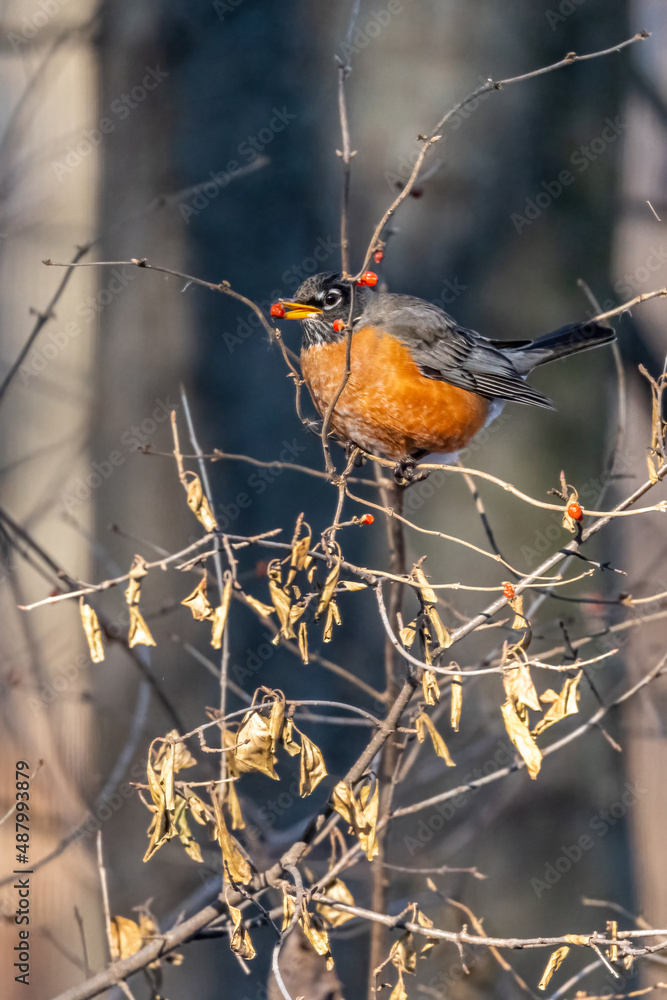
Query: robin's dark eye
x,y
332,299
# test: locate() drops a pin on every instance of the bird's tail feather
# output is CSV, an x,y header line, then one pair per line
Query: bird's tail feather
x,y
568,340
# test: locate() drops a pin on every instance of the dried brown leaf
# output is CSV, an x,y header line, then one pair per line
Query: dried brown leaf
x,y
313,768
287,738
198,602
428,595
423,723
265,610
408,633
336,891
399,991
516,604
240,942
457,700
562,704
91,627
239,869
300,558
520,736
254,751
554,961
303,641
328,590
139,634
442,635
519,686
219,617
430,688
199,505
126,938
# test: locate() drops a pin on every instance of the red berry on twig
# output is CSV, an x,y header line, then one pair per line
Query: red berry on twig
x,y
378,256
575,511
508,591
278,309
338,325
368,278
366,519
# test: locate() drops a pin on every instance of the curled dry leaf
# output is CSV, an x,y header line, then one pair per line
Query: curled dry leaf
x,y
198,602
265,610
137,573
339,892
317,935
408,633
91,627
520,736
313,768
219,616
276,716
240,942
399,991
352,585
457,699
562,704
519,686
423,723
520,620
441,635
361,813
333,615
139,634
126,938
254,745
183,830
239,869
430,688
554,961
300,558
303,641
328,590
199,505
282,602
287,738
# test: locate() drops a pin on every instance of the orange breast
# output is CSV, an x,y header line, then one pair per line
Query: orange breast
x,y
388,406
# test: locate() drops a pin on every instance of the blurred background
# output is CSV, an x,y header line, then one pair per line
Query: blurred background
x,y
203,136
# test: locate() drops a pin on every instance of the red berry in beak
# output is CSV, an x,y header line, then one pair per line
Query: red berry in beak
x,y
338,325
278,309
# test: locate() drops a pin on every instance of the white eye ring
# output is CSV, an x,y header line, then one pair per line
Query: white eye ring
x,y
335,301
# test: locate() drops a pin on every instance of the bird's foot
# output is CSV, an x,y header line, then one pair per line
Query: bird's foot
x,y
405,473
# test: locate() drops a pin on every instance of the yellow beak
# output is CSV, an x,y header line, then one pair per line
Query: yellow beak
x,y
297,310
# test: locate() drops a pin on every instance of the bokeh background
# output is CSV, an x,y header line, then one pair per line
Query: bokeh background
x,y
203,136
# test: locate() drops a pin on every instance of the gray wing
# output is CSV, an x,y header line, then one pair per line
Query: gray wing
x,y
445,351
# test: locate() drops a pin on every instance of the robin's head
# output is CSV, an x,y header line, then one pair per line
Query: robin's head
x,y
322,305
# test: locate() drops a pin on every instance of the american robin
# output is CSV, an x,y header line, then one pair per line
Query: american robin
x,y
419,382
